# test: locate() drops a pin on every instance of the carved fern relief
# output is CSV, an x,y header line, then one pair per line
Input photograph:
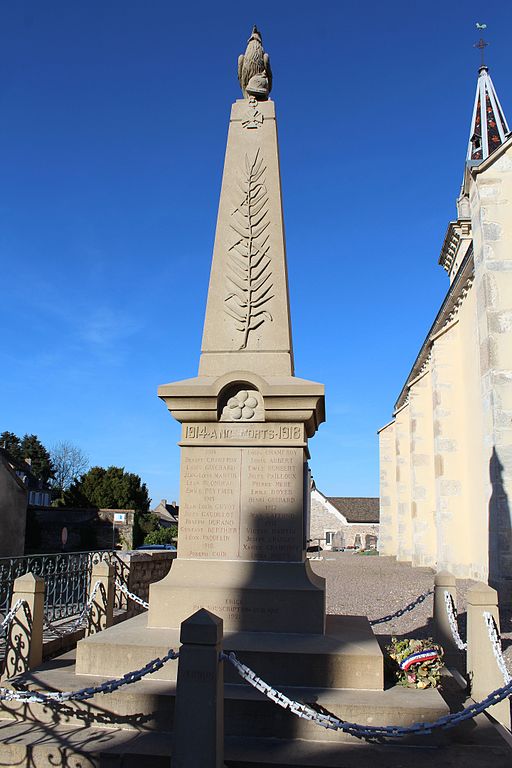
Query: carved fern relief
x,y
249,273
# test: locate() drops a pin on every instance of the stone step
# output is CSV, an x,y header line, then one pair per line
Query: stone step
x,y
33,745
149,704
346,656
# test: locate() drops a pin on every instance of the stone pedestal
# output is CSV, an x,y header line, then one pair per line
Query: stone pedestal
x,y
241,547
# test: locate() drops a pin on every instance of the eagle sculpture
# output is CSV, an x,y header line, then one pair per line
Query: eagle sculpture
x,y
254,73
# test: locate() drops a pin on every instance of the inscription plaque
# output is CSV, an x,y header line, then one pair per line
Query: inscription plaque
x,y
210,503
242,503
242,434
271,504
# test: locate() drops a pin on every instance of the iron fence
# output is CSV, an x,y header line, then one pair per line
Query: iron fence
x,y
67,576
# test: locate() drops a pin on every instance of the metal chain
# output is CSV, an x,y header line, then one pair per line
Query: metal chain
x,y
45,697
77,623
131,596
401,611
452,621
367,731
4,625
496,646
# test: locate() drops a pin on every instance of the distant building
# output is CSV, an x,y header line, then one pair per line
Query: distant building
x,y
38,494
13,510
167,513
337,522
446,456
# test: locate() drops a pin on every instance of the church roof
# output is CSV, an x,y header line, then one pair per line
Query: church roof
x,y
489,126
363,509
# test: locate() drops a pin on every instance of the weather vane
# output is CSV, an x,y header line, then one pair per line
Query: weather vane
x,y
482,45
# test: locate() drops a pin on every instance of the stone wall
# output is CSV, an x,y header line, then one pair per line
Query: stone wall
x,y
491,213
84,530
145,568
388,538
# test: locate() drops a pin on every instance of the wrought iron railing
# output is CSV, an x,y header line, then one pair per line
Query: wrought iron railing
x,y
67,576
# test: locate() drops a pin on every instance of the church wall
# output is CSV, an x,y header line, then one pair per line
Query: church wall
x,y
403,483
423,491
448,447
388,539
473,515
491,204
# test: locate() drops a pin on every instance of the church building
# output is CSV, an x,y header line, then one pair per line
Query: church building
x,y
446,456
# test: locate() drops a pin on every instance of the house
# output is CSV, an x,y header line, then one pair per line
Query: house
x,y
337,522
167,513
38,494
13,510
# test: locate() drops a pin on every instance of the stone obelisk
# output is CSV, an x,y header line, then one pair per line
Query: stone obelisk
x,y
246,418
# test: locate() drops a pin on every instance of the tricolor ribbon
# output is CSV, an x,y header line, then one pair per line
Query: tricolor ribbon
x,y
418,658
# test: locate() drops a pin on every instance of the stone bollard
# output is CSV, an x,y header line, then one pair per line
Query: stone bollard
x,y
102,610
483,671
198,730
444,581
24,641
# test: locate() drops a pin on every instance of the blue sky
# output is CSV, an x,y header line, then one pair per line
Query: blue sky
x,y
112,136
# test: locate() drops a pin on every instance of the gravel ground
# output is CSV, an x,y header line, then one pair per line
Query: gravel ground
x,y
377,586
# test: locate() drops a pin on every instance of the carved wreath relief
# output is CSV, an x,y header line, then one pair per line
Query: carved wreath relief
x,y
249,270
246,405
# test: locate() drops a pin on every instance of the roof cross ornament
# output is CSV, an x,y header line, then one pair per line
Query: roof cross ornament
x,y
482,44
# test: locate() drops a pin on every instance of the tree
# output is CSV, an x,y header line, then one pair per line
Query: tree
x,y
29,447
40,461
69,462
12,444
144,524
111,488
162,535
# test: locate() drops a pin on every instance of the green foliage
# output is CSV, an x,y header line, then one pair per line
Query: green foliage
x,y
12,444
162,536
41,464
111,488
144,524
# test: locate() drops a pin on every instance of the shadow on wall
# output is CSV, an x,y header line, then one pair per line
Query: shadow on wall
x,y
500,532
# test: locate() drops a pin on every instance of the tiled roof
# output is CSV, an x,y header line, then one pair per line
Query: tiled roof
x,y
361,509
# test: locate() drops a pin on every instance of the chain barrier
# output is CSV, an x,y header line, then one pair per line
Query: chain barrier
x,y
401,611
78,623
306,712
496,646
452,620
6,621
131,596
109,686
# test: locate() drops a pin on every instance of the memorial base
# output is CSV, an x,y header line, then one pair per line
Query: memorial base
x,y
346,656
247,596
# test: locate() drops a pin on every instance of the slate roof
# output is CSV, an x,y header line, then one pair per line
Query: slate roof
x,y
168,513
362,509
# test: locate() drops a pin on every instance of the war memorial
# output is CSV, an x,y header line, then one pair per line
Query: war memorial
x,y
241,581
